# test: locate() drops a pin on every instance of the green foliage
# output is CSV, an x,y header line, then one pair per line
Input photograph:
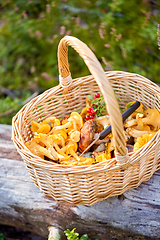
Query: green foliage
x,y
2,237
72,235
98,105
9,107
122,34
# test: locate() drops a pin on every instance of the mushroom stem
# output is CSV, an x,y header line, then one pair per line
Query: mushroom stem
x,y
59,150
55,154
45,152
66,125
140,124
72,152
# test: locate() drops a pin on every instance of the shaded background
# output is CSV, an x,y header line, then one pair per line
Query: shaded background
x,y
122,34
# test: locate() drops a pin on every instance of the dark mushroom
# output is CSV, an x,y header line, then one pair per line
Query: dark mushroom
x,y
87,134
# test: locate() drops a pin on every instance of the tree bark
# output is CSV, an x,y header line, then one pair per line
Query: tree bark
x,y
23,205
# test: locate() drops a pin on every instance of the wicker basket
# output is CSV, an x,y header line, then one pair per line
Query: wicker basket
x,y
89,184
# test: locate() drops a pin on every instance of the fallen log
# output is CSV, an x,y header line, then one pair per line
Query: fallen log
x,y
23,205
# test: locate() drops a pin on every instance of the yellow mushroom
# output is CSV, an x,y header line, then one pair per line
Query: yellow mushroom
x,y
74,135
70,150
58,143
84,112
74,120
138,133
72,126
53,120
152,118
137,123
38,150
141,141
130,123
55,154
138,110
145,122
59,132
40,128
103,157
103,120
51,142
32,146
44,139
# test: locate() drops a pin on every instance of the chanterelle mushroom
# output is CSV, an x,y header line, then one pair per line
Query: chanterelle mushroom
x,y
142,141
138,133
52,143
39,128
138,110
53,120
73,125
140,125
74,120
104,121
152,118
58,143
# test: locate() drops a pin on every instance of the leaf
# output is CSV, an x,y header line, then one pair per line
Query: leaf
x,y
129,105
84,237
90,96
71,235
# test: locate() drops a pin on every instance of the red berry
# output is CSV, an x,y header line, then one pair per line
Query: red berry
x,y
97,95
94,112
91,116
93,105
89,110
94,97
87,117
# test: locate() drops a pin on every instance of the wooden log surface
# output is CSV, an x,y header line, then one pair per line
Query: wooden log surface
x,y
23,205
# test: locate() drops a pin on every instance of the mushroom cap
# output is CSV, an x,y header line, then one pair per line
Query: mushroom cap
x,y
44,140
45,128
78,119
103,157
152,118
32,146
138,133
84,112
87,134
55,121
138,110
61,132
74,135
69,147
58,139
34,126
141,141
103,120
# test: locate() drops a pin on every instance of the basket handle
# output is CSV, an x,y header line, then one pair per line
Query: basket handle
x,y
104,85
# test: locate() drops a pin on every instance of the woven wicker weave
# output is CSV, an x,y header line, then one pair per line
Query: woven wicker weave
x,y
89,184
